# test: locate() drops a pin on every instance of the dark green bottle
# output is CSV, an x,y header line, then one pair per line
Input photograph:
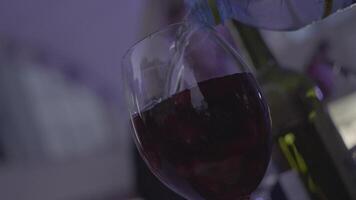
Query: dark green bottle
x,y
304,135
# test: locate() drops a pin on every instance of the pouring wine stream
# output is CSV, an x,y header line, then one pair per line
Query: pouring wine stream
x,y
176,65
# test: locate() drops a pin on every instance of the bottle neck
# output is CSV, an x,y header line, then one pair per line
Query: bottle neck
x,y
200,12
260,55
214,11
211,12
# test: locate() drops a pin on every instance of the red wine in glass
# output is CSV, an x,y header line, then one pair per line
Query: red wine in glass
x,y
209,142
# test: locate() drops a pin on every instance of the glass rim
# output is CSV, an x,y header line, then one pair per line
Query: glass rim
x,y
222,40
158,31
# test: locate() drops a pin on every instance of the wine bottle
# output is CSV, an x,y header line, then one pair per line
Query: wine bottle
x,y
269,14
298,123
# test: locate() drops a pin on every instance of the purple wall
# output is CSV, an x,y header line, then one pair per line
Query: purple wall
x,y
92,33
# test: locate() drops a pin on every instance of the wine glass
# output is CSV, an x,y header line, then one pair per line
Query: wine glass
x,y
200,121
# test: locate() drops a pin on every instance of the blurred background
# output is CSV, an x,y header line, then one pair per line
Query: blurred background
x,y
64,128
